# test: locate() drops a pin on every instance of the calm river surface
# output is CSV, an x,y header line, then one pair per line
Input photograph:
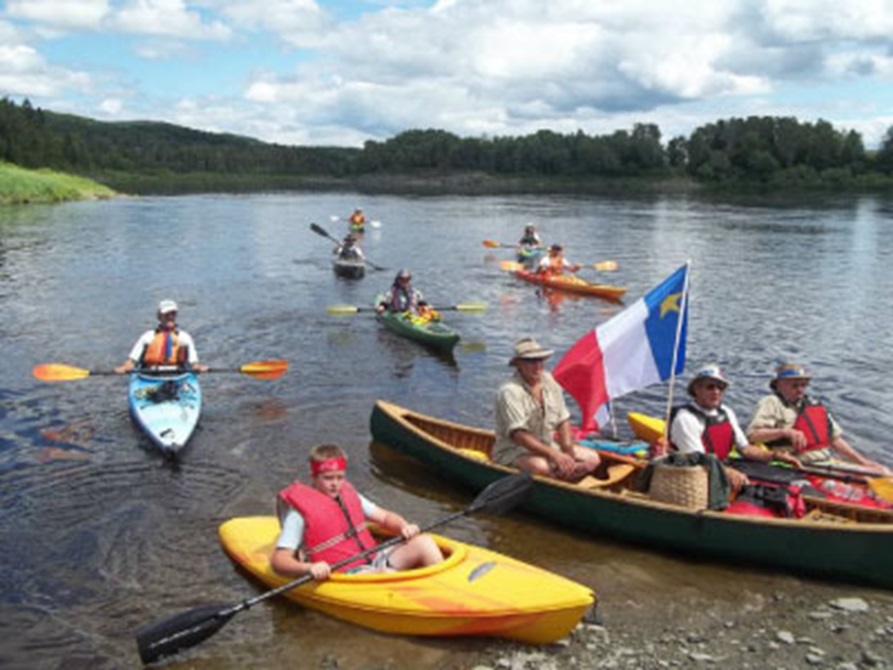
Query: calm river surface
x,y
100,536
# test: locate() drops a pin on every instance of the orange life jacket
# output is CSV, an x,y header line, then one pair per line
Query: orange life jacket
x,y
164,349
333,529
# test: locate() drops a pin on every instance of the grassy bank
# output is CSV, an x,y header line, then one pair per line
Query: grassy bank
x,y
21,186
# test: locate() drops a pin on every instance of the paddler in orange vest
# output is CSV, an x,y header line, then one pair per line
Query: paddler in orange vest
x,y
166,345
790,421
555,263
326,522
357,220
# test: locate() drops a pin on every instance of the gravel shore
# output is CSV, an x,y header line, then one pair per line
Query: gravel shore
x,y
771,631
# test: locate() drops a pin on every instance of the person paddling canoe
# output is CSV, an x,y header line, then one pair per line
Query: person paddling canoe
x,y
790,421
165,345
326,522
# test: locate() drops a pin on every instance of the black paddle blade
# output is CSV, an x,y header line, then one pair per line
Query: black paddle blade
x,y
319,230
503,494
182,631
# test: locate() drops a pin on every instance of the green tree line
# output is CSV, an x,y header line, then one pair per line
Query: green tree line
x,y
755,150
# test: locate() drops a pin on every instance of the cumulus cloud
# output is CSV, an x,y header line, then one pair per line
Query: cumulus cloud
x,y
71,15
503,67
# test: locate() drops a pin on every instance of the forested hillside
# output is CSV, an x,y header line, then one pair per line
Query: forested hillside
x,y
767,151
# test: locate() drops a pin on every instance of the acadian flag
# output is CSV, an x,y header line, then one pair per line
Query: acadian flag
x,y
636,348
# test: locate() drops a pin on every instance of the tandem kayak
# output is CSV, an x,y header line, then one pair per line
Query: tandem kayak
x,y
349,268
474,591
852,543
432,334
573,284
166,406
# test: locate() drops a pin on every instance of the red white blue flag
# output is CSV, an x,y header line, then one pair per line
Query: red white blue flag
x,y
636,348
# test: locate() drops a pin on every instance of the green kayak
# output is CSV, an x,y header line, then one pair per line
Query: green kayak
x,y
431,333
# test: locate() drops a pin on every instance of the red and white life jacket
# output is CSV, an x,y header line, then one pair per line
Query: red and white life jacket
x,y
718,436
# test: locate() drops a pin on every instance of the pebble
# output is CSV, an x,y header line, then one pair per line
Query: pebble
x,y
850,604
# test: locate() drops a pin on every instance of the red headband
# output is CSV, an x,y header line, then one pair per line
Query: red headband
x,y
328,465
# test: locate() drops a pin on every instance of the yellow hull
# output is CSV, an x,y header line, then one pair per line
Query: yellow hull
x,y
645,427
473,592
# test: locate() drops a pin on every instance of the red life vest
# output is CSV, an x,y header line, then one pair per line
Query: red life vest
x,y
718,436
164,349
326,518
814,422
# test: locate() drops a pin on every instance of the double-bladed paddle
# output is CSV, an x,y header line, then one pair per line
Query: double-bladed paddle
x,y
319,230
192,627
374,223
60,372
461,307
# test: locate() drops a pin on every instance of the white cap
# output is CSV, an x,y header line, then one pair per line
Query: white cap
x,y
166,306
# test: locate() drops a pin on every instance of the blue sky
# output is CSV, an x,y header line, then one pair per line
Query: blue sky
x,y
341,72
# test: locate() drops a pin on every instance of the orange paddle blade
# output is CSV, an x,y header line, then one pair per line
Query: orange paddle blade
x,y
272,369
510,266
59,372
882,487
606,266
492,244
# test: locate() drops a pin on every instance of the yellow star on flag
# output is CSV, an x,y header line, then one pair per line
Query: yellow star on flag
x,y
670,304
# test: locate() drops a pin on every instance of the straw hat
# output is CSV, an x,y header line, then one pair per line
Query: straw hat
x,y
528,348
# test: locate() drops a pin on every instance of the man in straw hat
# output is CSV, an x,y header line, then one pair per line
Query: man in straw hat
x,y
707,425
533,430
790,421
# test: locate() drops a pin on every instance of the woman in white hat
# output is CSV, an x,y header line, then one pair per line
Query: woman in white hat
x,y
165,345
707,425
790,421
533,430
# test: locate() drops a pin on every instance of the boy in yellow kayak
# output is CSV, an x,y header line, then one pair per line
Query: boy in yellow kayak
x,y
327,522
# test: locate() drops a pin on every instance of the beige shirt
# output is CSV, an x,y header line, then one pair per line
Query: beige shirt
x,y
772,412
516,408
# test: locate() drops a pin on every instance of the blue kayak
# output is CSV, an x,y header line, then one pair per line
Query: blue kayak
x,y
166,406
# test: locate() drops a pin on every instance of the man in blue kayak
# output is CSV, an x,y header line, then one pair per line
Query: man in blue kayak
x,y
165,345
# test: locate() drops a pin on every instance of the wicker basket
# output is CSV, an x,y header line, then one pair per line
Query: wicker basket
x,y
686,486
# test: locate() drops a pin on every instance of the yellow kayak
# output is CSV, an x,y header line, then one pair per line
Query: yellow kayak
x,y
473,592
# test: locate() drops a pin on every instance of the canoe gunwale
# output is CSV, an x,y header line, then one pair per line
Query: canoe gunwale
x,y
850,551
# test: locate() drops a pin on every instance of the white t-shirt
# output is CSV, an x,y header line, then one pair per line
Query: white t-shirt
x,y
687,428
292,521
183,338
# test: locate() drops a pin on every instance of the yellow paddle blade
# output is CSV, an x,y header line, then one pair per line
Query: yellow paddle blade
x,y
510,266
882,487
342,309
272,369
59,372
606,266
492,244
471,307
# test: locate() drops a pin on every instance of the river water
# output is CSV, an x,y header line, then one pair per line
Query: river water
x,y
100,535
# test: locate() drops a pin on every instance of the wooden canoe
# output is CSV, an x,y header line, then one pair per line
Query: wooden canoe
x,y
474,591
834,540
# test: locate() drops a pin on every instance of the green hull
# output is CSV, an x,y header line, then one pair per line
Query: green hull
x,y
433,334
858,551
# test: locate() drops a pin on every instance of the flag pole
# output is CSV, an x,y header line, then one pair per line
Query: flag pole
x,y
682,312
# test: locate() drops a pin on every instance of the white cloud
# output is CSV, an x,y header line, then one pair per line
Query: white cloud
x,y
65,14
166,17
24,72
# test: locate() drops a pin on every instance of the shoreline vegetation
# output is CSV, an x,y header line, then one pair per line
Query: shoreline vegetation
x,y
754,156
20,186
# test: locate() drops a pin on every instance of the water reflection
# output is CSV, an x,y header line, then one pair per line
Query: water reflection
x,y
116,539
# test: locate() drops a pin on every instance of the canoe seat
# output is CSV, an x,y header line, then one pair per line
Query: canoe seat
x,y
616,474
474,453
821,516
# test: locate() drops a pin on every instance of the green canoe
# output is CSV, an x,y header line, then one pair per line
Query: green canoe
x,y
834,540
432,334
